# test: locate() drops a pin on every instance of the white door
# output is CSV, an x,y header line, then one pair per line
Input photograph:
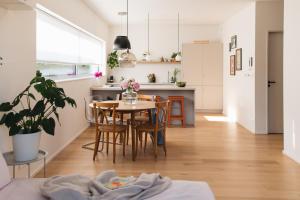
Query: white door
x,y
275,83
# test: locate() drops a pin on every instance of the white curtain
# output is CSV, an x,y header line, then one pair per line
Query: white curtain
x,y
58,41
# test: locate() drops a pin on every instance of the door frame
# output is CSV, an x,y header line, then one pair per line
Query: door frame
x,y
267,74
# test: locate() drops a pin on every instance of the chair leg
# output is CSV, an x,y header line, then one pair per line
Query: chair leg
x,y
101,135
107,142
165,142
182,113
96,146
114,147
127,133
155,144
124,143
146,137
137,133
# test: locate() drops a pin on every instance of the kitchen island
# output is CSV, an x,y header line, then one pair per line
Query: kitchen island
x,y
163,90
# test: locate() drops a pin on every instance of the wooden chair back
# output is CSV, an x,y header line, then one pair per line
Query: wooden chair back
x,y
142,97
161,114
102,110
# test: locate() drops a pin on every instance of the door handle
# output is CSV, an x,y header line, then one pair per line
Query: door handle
x,y
270,83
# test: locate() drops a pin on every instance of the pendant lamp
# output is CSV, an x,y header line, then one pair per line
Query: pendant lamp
x,y
121,42
126,58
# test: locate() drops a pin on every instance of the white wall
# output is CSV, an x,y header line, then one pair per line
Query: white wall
x,y
246,94
17,40
163,42
291,79
269,18
238,90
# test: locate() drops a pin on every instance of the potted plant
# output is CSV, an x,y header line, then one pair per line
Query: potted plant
x,y
112,60
174,77
176,57
151,78
26,116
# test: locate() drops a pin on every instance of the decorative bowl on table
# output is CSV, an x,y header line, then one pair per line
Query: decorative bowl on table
x,y
180,84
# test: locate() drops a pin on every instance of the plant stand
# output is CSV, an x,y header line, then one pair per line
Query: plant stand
x,y
10,160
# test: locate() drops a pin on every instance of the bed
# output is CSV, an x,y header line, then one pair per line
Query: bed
x,y
20,189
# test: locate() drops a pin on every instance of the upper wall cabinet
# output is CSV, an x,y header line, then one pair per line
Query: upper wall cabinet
x,y
212,70
192,63
202,63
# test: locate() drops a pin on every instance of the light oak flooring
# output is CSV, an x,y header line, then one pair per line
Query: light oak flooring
x,y
237,164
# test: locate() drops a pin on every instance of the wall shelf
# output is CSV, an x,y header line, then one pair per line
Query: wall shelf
x,y
157,62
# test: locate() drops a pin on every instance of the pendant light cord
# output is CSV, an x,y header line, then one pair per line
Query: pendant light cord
x,y
178,33
127,18
148,35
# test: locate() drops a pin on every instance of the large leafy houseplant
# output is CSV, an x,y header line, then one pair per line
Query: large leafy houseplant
x,y
33,118
112,60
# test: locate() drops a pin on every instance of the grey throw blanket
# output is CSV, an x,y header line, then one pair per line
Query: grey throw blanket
x,y
77,187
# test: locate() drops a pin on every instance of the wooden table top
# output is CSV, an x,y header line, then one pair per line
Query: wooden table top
x,y
140,105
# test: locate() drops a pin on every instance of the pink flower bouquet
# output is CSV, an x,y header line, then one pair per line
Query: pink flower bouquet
x,y
130,85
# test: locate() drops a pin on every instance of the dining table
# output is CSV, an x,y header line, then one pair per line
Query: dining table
x,y
132,109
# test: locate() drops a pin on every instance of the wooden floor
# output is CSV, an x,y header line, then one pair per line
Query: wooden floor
x,y
237,164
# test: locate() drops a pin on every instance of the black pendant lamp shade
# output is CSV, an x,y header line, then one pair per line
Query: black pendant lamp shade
x,y
121,43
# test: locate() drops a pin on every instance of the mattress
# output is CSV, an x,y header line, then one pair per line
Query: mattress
x,y
29,189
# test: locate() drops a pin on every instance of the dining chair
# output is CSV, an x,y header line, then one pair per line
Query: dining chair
x,y
90,117
102,112
152,129
143,116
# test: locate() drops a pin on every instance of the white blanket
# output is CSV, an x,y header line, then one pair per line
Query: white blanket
x,y
21,189
76,187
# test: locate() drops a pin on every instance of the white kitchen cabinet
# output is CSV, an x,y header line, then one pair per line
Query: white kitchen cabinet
x,y
202,68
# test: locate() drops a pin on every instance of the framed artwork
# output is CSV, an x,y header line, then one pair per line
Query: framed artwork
x,y
232,65
238,54
234,42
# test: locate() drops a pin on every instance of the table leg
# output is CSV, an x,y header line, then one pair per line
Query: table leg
x,y
14,171
45,167
133,135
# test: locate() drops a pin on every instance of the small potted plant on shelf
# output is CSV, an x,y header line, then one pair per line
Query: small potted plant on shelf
x,y
26,116
174,77
151,78
129,96
176,57
112,60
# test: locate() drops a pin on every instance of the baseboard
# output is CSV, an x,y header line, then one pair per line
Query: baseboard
x,y
41,166
210,111
290,157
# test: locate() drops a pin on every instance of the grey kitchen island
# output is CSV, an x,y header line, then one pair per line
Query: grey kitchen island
x,y
110,92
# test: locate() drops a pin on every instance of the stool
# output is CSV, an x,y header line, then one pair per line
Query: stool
x,y
181,117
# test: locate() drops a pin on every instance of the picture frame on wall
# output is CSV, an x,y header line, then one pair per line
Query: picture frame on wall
x,y
232,65
239,56
234,42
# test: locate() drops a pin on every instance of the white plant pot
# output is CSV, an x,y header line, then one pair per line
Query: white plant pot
x,y
178,58
26,146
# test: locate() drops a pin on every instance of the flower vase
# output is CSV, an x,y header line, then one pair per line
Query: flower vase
x,y
129,97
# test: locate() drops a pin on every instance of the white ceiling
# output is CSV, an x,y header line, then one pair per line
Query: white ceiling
x,y
191,11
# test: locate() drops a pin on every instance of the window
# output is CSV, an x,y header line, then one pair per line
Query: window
x,y
65,49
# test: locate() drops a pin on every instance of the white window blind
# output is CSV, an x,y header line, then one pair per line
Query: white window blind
x,y
58,41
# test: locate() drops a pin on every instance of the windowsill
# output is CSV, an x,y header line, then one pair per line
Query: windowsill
x,y
65,78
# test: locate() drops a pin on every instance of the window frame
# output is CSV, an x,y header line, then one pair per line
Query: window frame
x,y
76,76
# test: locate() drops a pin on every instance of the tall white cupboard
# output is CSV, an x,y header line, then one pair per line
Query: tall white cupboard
x,y
202,68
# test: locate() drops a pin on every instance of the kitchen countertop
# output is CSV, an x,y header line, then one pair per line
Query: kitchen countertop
x,y
144,87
